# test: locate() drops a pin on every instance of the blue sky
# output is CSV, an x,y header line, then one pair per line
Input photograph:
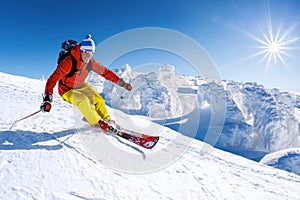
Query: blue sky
x,y
230,31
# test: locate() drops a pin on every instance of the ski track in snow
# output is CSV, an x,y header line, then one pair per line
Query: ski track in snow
x,y
43,158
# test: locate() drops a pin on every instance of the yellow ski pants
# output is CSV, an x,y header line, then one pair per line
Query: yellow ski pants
x,y
89,102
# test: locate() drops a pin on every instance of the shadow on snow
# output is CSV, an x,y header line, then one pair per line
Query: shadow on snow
x,y
26,140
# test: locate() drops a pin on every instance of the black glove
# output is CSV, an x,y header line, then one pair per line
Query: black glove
x,y
46,105
125,85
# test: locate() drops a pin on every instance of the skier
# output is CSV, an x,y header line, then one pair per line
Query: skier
x,y
74,90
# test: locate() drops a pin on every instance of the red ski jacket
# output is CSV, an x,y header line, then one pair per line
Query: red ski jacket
x,y
78,79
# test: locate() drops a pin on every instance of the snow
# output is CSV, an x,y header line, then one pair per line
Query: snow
x,y
55,156
297,113
255,119
287,159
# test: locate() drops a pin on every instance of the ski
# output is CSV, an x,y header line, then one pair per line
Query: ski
x,y
143,140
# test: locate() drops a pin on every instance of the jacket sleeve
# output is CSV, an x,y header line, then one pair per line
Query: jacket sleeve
x,y
105,72
61,70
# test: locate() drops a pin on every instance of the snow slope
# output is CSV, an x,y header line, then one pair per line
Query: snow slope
x,y
46,157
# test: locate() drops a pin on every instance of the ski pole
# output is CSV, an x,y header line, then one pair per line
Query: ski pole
x,y
24,118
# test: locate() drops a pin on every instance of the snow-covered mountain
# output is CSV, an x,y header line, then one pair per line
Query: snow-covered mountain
x,y
55,156
256,118
287,159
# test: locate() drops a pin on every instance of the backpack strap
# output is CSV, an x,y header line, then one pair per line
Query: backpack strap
x,y
74,66
71,72
90,66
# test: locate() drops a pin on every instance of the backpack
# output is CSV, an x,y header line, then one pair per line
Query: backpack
x,y
66,48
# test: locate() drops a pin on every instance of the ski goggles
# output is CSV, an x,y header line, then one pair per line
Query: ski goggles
x,y
87,51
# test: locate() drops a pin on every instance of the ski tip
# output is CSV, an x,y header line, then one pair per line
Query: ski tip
x,y
151,144
155,142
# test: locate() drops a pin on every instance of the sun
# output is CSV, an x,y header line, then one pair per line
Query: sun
x,y
274,48
271,49
274,45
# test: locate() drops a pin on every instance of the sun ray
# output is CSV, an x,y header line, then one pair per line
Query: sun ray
x,y
289,30
288,42
278,32
269,22
281,58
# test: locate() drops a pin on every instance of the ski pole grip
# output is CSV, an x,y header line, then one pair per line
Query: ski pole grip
x,y
125,85
46,106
